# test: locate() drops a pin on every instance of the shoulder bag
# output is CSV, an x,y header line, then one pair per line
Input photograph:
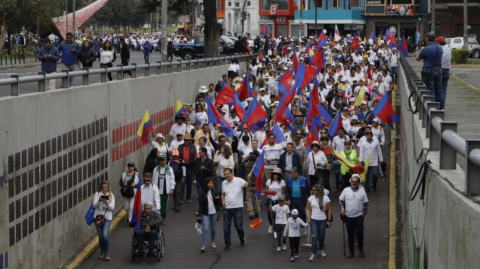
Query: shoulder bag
x,y
318,172
127,191
100,219
426,73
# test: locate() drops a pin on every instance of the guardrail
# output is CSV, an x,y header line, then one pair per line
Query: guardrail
x,y
443,134
85,73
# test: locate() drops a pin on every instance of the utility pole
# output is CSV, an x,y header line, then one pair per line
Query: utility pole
x,y
433,16
73,22
164,29
315,3
465,25
301,20
244,17
66,16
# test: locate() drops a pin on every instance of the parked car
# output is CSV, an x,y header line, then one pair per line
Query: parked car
x,y
457,43
189,51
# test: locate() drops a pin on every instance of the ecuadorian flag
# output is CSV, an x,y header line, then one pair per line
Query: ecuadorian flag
x,y
145,127
180,109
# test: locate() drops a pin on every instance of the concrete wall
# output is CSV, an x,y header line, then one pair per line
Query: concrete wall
x,y
58,146
442,230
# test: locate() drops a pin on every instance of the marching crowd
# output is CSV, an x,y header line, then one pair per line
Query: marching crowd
x,y
296,168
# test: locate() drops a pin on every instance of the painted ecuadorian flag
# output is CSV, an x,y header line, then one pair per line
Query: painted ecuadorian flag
x,y
145,127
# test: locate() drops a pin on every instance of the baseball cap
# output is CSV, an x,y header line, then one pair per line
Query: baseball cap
x,y
131,164
363,103
281,198
175,152
440,39
294,213
163,157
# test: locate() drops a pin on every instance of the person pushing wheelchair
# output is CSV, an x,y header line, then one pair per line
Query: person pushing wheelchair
x,y
149,219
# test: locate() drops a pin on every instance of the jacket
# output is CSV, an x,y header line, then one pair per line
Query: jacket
x,y
154,220
69,57
302,151
49,65
87,55
203,174
353,159
239,47
203,202
304,189
170,179
193,151
124,54
368,115
296,162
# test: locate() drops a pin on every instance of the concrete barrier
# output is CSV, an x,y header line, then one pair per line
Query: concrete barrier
x,y
441,231
59,145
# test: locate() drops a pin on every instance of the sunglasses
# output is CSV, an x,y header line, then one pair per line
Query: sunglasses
x,y
147,180
354,181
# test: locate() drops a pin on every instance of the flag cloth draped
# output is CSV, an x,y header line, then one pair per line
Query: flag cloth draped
x,y
225,95
365,170
137,206
360,96
384,110
237,105
145,127
312,136
337,123
180,109
215,117
280,114
256,116
285,82
258,173
355,167
403,47
294,59
337,33
265,29
245,90
279,136
304,75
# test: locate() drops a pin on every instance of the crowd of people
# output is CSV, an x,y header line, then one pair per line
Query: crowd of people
x,y
302,173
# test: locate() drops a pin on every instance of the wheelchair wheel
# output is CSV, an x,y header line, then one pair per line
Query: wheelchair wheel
x,y
161,245
133,247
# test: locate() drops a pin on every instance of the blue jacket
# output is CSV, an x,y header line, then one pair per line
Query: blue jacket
x,y
147,47
365,116
296,162
49,65
68,56
304,188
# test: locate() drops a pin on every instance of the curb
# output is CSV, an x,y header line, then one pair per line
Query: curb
x,y
461,80
90,249
392,202
20,66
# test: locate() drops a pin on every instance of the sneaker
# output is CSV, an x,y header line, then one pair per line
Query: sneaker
x,y
313,257
203,248
177,209
362,254
350,255
279,248
292,259
189,201
214,245
107,257
270,230
243,242
305,231
256,214
102,256
284,247
252,217
296,255
335,190
322,253
227,247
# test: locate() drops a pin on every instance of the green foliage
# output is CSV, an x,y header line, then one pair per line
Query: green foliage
x,y
460,56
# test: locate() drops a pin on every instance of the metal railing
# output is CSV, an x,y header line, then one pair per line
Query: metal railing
x,y
443,134
15,80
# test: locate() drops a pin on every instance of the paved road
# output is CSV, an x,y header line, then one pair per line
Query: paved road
x,y
136,57
183,243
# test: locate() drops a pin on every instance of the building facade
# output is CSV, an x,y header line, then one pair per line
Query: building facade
x,y
278,15
449,18
233,17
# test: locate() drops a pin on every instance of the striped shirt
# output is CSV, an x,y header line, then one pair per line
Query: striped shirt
x,y
272,152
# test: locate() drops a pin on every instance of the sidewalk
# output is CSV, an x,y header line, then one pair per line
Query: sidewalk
x,y
462,102
5,62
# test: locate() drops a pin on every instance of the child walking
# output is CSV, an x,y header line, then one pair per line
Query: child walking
x,y
293,233
282,212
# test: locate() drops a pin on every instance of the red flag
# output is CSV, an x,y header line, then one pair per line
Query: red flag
x,y
355,44
304,75
225,95
280,115
319,59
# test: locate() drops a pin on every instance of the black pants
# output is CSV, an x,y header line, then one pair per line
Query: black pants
x,y
128,71
108,74
354,228
294,245
150,237
170,55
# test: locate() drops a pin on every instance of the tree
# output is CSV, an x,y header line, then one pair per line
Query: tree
x,y
212,29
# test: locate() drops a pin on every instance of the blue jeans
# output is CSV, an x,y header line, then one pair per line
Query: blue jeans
x,y
237,215
297,203
219,184
146,56
103,232
445,78
435,86
372,176
394,74
209,220
200,187
150,237
188,183
317,228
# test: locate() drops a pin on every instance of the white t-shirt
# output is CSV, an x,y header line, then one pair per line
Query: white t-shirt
x,y
354,201
174,145
178,129
281,213
233,192
275,186
211,206
317,213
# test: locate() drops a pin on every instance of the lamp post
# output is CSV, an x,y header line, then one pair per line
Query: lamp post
x,y
73,21
66,16
315,4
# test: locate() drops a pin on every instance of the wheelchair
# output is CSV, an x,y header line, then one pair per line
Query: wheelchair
x,y
159,246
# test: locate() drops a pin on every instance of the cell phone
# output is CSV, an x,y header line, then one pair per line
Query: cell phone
x,y
104,197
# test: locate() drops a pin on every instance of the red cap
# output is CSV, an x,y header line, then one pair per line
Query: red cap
x,y
440,39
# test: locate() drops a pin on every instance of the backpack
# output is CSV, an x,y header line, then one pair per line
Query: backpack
x,y
128,191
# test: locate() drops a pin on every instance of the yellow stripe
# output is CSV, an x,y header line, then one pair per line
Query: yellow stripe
x,y
392,200
93,245
461,80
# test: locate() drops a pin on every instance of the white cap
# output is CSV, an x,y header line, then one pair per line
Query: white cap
x,y
262,89
343,79
203,89
363,102
354,118
159,135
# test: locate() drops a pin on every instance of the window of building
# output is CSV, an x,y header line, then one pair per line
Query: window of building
x,y
319,3
237,4
229,4
402,2
249,3
282,4
354,3
337,3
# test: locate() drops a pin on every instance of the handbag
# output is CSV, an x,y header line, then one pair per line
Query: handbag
x,y
100,219
318,172
89,215
426,73
127,191
329,167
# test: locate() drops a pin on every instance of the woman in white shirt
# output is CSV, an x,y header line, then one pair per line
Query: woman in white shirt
x,y
208,202
224,159
202,143
233,69
377,131
274,184
160,145
318,206
316,160
104,204
107,57
200,114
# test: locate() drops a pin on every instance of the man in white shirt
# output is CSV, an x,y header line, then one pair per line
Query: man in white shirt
x,y
338,143
150,192
386,78
178,127
393,64
357,58
177,142
354,207
232,200
271,155
371,148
